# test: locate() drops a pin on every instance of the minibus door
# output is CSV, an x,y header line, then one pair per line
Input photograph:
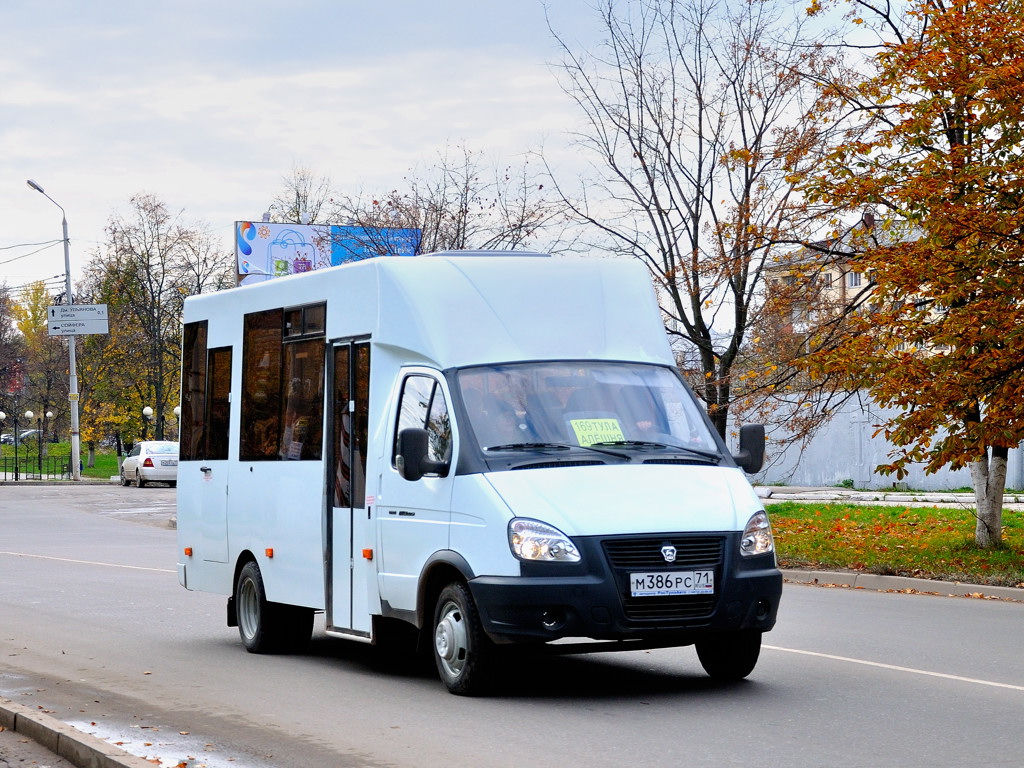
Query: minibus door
x,y
349,566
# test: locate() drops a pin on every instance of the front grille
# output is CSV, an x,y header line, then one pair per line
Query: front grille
x,y
646,552
668,608
629,555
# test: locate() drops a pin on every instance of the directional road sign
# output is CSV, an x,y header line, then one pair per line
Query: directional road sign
x,y
76,319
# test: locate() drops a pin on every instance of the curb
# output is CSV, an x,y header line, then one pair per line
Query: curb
x,y
61,739
905,584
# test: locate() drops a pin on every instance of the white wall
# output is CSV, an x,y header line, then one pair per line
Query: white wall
x,y
844,449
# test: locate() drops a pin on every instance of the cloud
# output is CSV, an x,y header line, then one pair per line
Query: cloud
x,y
210,106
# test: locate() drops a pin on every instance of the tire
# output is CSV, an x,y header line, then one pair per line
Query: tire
x,y
124,480
267,627
138,480
464,655
730,656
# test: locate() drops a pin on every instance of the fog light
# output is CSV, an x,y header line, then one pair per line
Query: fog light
x,y
763,609
552,619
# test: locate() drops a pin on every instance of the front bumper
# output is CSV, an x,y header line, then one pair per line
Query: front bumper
x,y
591,599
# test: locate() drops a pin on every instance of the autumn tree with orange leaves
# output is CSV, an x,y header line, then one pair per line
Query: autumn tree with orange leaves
x,y
934,144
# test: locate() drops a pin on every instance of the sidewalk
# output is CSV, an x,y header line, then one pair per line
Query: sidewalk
x,y
779,493
31,738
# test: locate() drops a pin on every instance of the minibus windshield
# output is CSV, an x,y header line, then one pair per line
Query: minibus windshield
x,y
612,406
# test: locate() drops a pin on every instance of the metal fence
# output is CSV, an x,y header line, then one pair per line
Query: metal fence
x,y
35,468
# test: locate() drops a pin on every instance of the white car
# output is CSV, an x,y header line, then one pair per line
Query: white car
x,y
151,461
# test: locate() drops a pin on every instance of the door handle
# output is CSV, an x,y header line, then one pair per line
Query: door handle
x,y
206,470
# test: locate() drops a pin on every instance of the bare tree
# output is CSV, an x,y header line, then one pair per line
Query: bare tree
x,y
694,120
305,198
462,202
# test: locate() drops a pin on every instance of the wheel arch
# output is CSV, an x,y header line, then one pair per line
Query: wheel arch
x,y
244,557
441,569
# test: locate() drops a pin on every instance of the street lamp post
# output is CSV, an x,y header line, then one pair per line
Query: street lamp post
x,y
28,420
76,438
43,427
3,418
17,469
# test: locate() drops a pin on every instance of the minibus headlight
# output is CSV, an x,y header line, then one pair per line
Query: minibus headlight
x,y
534,540
757,536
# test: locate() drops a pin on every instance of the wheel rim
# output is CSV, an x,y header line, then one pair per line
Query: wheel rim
x,y
248,608
451,641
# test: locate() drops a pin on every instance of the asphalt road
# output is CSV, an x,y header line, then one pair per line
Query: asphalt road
x,y
95,630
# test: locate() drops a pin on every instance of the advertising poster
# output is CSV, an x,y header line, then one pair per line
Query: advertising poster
x,y
264,250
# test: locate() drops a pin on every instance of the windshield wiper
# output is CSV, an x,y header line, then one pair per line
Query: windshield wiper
x,y
529,446
709,455
552,447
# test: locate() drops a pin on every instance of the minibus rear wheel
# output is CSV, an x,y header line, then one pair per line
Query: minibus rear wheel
x,y
267,627
462,652
730,656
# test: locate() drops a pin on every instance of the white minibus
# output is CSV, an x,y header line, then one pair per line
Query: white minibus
x,y
485,451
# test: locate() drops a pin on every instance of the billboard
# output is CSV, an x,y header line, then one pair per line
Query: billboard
x,y
264,250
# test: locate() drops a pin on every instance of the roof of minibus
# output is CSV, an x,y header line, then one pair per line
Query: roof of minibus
x,y
451,310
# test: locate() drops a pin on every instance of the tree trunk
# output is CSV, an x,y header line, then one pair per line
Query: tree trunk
x,y
989,480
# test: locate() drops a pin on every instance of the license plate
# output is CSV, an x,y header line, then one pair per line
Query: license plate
x,y
168,462
662,583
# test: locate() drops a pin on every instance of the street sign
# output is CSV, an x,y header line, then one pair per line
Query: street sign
x,y
77,327
76,319
77,312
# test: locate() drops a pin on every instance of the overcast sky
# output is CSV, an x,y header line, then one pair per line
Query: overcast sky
x,y
208,104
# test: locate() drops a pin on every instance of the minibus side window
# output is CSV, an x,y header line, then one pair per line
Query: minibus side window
x,y
261,385
193,391
218,404
302,436
283,365
423,406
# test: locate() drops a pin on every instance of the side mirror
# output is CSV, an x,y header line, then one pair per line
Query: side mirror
x,y
411,457
751,454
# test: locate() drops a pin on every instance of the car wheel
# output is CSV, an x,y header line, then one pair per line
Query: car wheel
x,y
138,479
730,656
462,652
267,627
124,479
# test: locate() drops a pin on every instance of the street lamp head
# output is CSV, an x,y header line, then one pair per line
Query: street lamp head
x,y
35,186
49,414
29,415
3,416
147,412
177,411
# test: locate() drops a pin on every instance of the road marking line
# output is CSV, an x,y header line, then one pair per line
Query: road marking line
x,y
895,668
89,562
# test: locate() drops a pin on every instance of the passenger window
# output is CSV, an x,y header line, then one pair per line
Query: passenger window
x,y
283,368
423,406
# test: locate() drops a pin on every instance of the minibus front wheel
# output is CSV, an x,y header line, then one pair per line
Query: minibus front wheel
x,y
462,651
730,656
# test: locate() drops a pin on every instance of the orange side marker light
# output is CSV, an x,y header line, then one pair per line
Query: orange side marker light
x,y
188,551
269,551
368,554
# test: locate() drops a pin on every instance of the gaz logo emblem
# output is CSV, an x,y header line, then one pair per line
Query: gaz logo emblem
x,y
669,553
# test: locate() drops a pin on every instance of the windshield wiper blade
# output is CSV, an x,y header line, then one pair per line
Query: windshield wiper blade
x,y
552,447
528,447
709,455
